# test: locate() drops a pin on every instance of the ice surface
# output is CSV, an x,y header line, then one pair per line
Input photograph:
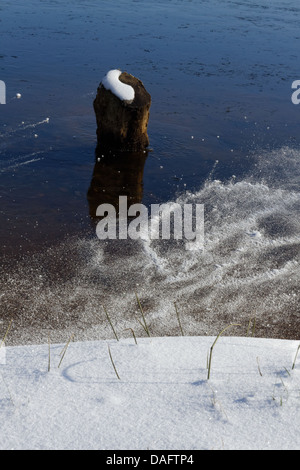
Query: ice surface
x,y
249,268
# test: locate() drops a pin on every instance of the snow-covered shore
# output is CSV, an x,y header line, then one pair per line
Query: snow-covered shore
x,y
162,401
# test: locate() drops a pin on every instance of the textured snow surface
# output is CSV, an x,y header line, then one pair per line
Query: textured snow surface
x,y
162,401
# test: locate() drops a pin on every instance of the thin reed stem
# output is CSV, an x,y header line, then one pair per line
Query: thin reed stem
x,y
253,326
213,345
144,320
259,369
49,359
112,361
294,363
133,334
110,322
4,337
63,352
178,318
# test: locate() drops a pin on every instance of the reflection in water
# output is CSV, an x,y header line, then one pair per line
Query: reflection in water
x,y
116,174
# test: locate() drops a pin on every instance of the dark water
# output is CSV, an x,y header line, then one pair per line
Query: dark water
x,y
223,132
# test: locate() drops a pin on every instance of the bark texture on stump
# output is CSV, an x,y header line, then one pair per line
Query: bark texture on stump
x,y
122,125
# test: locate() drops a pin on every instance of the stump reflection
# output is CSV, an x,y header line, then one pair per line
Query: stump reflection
x,y
116,174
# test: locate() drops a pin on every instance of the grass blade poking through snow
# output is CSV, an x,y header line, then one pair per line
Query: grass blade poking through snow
x,y
144,320
110,322
259,369
213,345
112,361
4,337
253,326
133,334
294,363
49,359
65,349
178,318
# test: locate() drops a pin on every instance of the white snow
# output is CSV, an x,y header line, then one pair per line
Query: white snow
x,y
163,400
123,91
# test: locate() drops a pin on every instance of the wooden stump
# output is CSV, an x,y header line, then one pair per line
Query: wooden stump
x,y
121,123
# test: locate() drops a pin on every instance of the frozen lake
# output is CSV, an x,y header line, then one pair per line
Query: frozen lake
x,y
223,132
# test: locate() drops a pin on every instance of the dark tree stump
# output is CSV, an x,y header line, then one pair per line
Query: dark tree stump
x,y
122,124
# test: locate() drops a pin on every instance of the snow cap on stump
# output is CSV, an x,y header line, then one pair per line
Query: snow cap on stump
x,y
122,108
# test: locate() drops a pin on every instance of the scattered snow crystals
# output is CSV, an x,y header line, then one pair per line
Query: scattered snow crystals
x,y
254,234
121,90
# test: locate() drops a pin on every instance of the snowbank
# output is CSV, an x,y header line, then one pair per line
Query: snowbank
x,y
162,401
